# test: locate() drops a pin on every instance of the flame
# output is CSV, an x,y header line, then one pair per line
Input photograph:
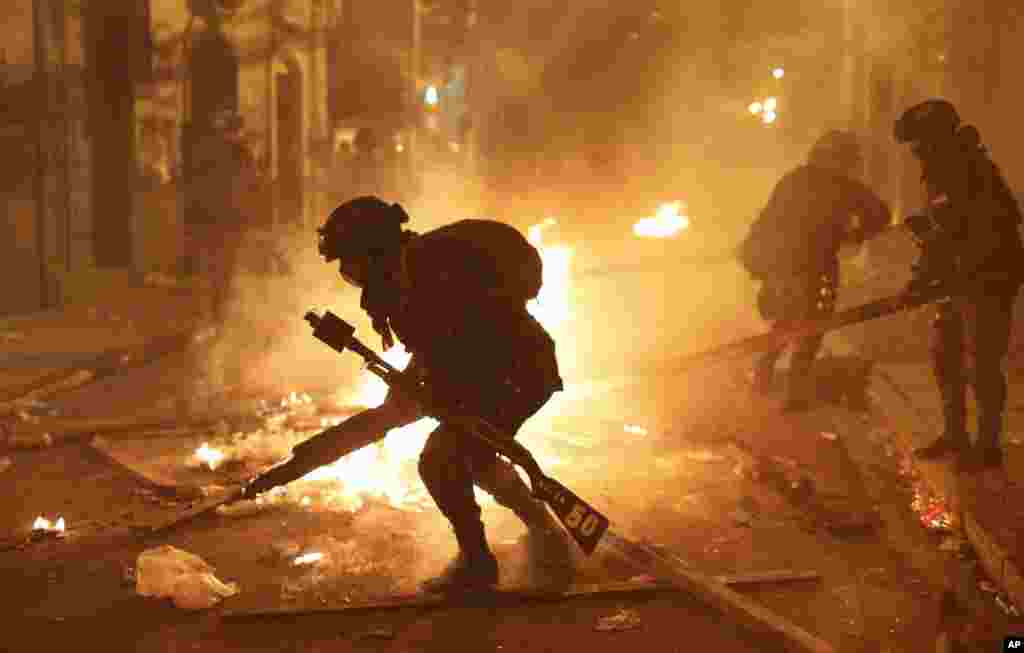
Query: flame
x,y
43,524
635,430
551,308
308,558
667,222
209,456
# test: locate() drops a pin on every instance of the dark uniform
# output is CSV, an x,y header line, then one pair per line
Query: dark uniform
x,y
974,245
793,248
479,349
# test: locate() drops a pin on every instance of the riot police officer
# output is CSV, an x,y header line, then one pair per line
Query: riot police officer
x,y
973,246
448,298
793,249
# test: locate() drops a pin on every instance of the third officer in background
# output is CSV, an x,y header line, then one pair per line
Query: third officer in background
x,y
970,243
793,249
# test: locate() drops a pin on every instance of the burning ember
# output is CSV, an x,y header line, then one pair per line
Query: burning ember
x,y
667,222
308,558
635,430
209,456
45,525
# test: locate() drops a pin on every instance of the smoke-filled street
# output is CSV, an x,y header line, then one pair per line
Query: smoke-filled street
x,y
456,326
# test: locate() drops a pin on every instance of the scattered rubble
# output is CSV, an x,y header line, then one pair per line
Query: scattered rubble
x,y
12,336
187,579
161,280
29,440
379,632
5,463
622,620
1007,606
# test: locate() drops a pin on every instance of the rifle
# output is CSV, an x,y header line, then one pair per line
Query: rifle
x,y
584,523
779,337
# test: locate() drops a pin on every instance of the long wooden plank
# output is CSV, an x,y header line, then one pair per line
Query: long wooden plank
x,y
737,607
500,597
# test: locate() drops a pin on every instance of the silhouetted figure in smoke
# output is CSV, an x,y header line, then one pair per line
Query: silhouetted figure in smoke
x,y
793,249
456,298
970,241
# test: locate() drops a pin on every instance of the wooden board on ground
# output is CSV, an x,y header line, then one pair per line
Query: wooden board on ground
x,y
742,610
502,596
201,507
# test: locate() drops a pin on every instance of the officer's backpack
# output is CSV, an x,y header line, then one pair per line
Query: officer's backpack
x,y
478,256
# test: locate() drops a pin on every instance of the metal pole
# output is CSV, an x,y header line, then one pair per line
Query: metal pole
x,y
68,133
39,59
269,150
414,70
848,65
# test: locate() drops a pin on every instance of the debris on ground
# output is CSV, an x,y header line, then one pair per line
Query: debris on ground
x,y
1007,606
187,579
379,632
161,280
832,437
5,463
987,587
622,620
29,440
12,336
952,544
742,517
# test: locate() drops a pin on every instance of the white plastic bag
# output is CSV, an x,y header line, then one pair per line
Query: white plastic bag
x,y
168,572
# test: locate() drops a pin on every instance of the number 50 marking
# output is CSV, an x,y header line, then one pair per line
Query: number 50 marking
x,y
581,519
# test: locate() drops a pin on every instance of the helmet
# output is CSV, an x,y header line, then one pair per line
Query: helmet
x,y
836,149
928,121
361,226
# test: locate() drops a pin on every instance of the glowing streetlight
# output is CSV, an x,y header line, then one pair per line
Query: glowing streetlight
x,y
771,104
755,108
778,73
768,117
431,96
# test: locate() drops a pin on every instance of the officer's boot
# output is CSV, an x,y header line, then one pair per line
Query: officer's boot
x,y
474,569
986,454
549,553
954,440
